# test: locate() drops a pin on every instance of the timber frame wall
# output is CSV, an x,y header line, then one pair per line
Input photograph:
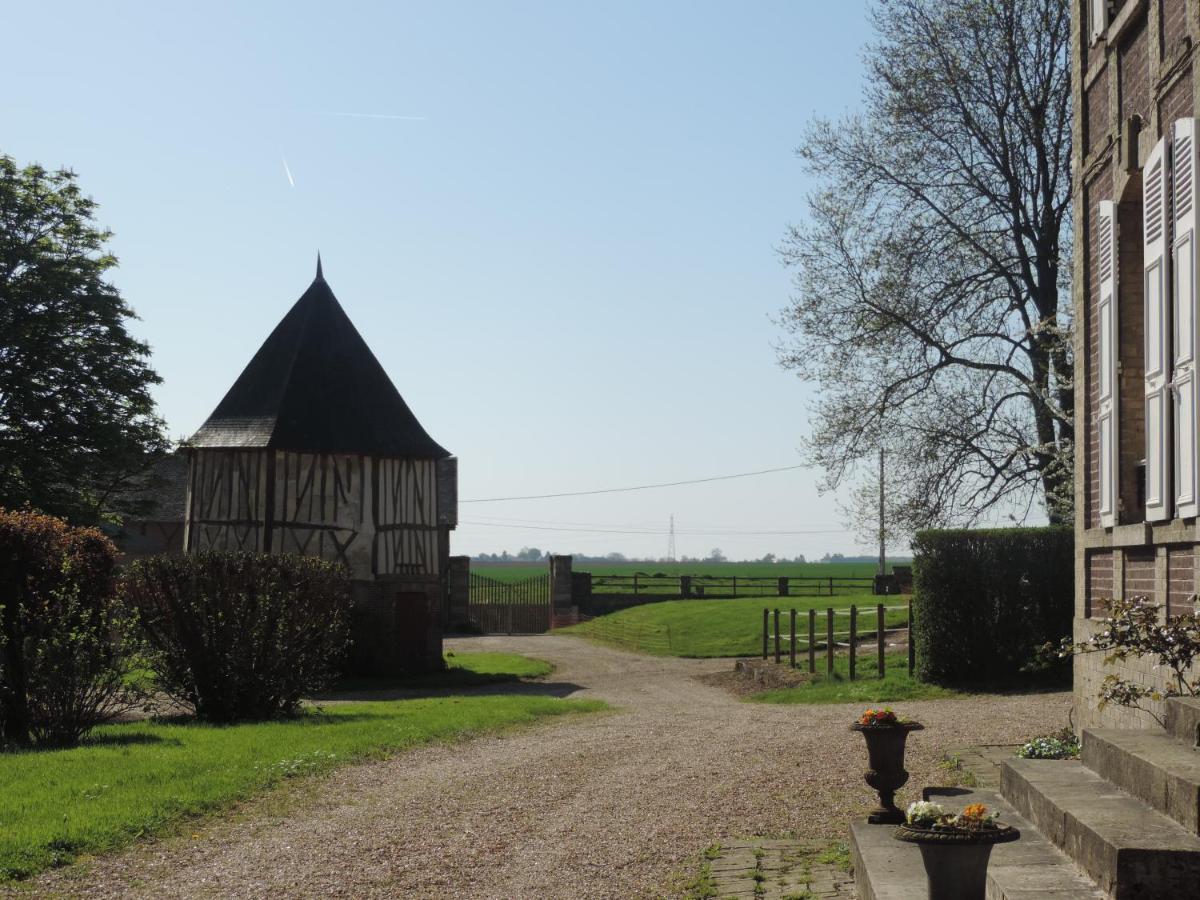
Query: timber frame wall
x,y
1140,66
379,516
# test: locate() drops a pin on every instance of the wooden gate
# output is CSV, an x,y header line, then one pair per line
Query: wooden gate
x,y
510,607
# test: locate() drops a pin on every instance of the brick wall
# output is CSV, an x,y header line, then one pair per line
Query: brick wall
x,y
1181,561
1097,123
1177,101
1135,74
1139,573
1099,581
1172,26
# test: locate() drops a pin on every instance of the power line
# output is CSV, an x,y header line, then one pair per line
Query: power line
x,y
659,532
639,487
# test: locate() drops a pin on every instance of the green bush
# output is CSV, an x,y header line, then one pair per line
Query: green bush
x,y
65,638
987,599
239,636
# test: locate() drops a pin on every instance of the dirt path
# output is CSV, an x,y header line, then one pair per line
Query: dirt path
x,y
609,805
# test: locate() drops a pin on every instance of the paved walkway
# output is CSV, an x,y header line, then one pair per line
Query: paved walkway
x,y
617,804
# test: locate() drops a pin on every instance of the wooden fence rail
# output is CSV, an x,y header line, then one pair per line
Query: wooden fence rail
x,y
852,634
723,586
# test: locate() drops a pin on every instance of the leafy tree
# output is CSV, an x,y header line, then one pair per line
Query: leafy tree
x,y
930,303
715,555
77,423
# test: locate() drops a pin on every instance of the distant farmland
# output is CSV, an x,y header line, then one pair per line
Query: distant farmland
x,y
517,571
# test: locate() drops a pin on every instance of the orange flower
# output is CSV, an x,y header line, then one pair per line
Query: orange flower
x,y
974,811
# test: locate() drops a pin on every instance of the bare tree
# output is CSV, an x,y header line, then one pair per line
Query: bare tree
x,y
929,272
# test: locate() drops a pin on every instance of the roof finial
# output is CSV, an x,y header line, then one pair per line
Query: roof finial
x,y
320,275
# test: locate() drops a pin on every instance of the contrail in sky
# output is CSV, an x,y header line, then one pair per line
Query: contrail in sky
x,y
358,115
287,171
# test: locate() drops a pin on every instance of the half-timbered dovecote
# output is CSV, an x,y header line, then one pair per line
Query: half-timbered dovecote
x,y
314,451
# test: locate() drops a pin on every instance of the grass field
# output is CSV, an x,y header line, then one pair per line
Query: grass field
x,y
709,628
144,778
868,688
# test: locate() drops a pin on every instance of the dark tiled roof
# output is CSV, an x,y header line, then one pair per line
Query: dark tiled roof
x,y
315,386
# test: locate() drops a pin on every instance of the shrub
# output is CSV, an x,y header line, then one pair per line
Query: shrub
x,y
985,600
241,635
1063,744
1137,626
65,638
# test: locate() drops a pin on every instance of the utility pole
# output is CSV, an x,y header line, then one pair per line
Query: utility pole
x,y
882,547
671,541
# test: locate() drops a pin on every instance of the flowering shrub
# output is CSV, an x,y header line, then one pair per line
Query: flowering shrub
x,y
1060,745
1134,627
879,717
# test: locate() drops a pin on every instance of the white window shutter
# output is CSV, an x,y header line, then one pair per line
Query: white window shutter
x,y
1157,307
1106,324
1183,272
1099,16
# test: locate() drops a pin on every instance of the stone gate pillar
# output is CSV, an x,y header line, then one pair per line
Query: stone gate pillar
x,y
458,580
560,583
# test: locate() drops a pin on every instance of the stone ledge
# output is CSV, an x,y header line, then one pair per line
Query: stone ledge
x,y
1129,849
1028,869
1154,767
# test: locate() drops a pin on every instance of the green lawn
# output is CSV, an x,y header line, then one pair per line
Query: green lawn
x,y
708,628
143,778
868,688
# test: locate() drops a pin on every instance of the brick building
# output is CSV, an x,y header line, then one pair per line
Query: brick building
x,y
1136,304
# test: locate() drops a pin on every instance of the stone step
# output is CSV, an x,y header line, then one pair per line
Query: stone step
x,y
1129,849
1029,869
1183,719
1153,766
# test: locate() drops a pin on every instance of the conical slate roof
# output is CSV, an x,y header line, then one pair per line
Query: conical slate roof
x,y
315,386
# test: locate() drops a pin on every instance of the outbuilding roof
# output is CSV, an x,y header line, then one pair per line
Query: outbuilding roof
x,y
315,386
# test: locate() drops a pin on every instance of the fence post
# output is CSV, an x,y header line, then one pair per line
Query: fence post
x,y
793,648
735,586
830,585
912,644
777,635
685,586
783,586
880,627
766,628
812,641
635,584
829,641
853,639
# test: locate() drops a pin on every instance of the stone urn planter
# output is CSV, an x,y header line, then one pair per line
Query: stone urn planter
x,y
886,737
956,860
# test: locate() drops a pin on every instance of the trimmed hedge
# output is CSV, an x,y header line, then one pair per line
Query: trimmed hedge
x,y
985,600
240,636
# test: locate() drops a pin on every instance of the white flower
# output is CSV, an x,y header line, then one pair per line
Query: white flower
x,y
924,811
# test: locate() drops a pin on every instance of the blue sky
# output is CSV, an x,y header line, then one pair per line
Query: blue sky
x,y
565,259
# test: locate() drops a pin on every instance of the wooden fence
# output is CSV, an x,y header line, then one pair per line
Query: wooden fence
x,y
723,586
773,636
509,607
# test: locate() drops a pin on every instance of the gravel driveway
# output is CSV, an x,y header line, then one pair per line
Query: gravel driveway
x,y
606,805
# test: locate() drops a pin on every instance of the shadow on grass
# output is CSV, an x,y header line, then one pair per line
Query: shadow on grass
x,y
92,740
434,686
